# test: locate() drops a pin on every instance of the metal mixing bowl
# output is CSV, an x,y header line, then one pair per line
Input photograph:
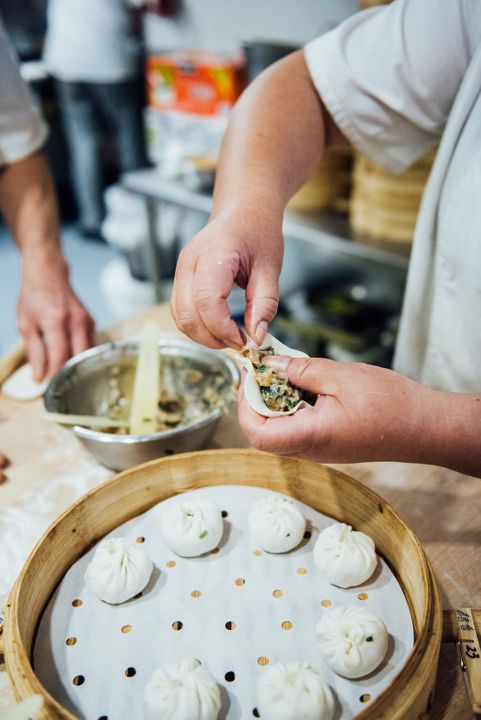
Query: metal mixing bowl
x,y
82,387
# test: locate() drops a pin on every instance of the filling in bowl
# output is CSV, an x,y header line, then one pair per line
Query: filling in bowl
x,y
186,394
190,388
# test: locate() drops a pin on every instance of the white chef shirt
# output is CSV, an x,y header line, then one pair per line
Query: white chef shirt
x,y
91,40
396,79
22,131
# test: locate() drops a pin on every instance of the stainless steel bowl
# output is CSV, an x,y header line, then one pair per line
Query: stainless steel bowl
x,y
82,387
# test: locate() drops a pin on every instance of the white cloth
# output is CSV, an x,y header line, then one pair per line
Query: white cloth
x,y
396,79
22,131
91,40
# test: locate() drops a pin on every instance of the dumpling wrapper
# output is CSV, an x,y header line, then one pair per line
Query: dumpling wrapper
x,y
21,385
252,390
276,524
346,557
353,641
293,690
118,571
192,527
182,690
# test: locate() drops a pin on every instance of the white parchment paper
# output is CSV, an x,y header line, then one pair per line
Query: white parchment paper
x,y
233,588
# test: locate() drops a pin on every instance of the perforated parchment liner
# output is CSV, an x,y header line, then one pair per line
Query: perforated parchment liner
x,y
236,610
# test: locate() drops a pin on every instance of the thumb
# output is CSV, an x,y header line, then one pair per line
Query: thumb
x,y
313,374
262,300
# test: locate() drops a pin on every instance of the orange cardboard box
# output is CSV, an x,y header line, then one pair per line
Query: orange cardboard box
x,y
198,82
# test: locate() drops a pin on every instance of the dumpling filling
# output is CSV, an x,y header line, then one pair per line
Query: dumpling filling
x,y
276,391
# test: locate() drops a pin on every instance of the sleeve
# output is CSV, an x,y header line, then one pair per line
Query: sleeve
x,y
22,130
389,75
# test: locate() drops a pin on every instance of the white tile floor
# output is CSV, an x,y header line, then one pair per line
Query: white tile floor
x,y
86,260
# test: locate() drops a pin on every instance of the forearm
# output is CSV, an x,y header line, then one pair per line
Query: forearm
x,y
276,137
28,204
427,426
369,414
452,436
52,321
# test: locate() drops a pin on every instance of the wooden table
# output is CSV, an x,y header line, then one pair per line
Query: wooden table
x,y
50,469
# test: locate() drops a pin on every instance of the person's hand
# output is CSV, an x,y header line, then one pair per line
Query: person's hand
x,y
52,320
240,248
363,413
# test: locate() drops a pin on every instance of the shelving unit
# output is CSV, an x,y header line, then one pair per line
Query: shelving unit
x,y
321,234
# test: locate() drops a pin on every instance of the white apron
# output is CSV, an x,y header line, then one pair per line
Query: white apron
x,y
397,79
439,341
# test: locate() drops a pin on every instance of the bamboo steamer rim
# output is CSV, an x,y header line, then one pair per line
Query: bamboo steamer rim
x,y
30,595
364,232
425,160
386,205
382,217
375,187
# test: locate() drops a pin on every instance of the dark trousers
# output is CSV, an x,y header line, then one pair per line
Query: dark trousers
x,y
88,109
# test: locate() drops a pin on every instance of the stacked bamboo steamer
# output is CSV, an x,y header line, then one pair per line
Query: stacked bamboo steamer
x,y
381,205
384,206
330,185
365,4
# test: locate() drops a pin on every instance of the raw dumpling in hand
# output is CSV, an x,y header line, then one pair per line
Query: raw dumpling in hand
x,y
192,527
346,557
353,641
118,570
276,524
266,391
184,691
291,691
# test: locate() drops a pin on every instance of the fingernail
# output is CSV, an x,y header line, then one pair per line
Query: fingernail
x,y
278,363
261,330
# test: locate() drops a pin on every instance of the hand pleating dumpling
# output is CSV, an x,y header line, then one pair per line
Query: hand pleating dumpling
x,y
346,557
184,691
192,527
118,570
276,524
293,690
266,391
353,641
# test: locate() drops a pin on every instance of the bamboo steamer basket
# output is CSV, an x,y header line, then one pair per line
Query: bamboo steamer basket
x,y
385,206
135,490
330,185
365,4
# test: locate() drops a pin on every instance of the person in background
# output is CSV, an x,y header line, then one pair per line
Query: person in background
x,y
92,50
51,319
392,81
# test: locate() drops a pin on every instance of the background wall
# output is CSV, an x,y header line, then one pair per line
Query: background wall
x,y
224,24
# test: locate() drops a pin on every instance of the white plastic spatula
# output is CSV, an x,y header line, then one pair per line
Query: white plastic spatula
x,y
143,412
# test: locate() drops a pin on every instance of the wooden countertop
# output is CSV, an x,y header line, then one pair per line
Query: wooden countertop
x,y
50,469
